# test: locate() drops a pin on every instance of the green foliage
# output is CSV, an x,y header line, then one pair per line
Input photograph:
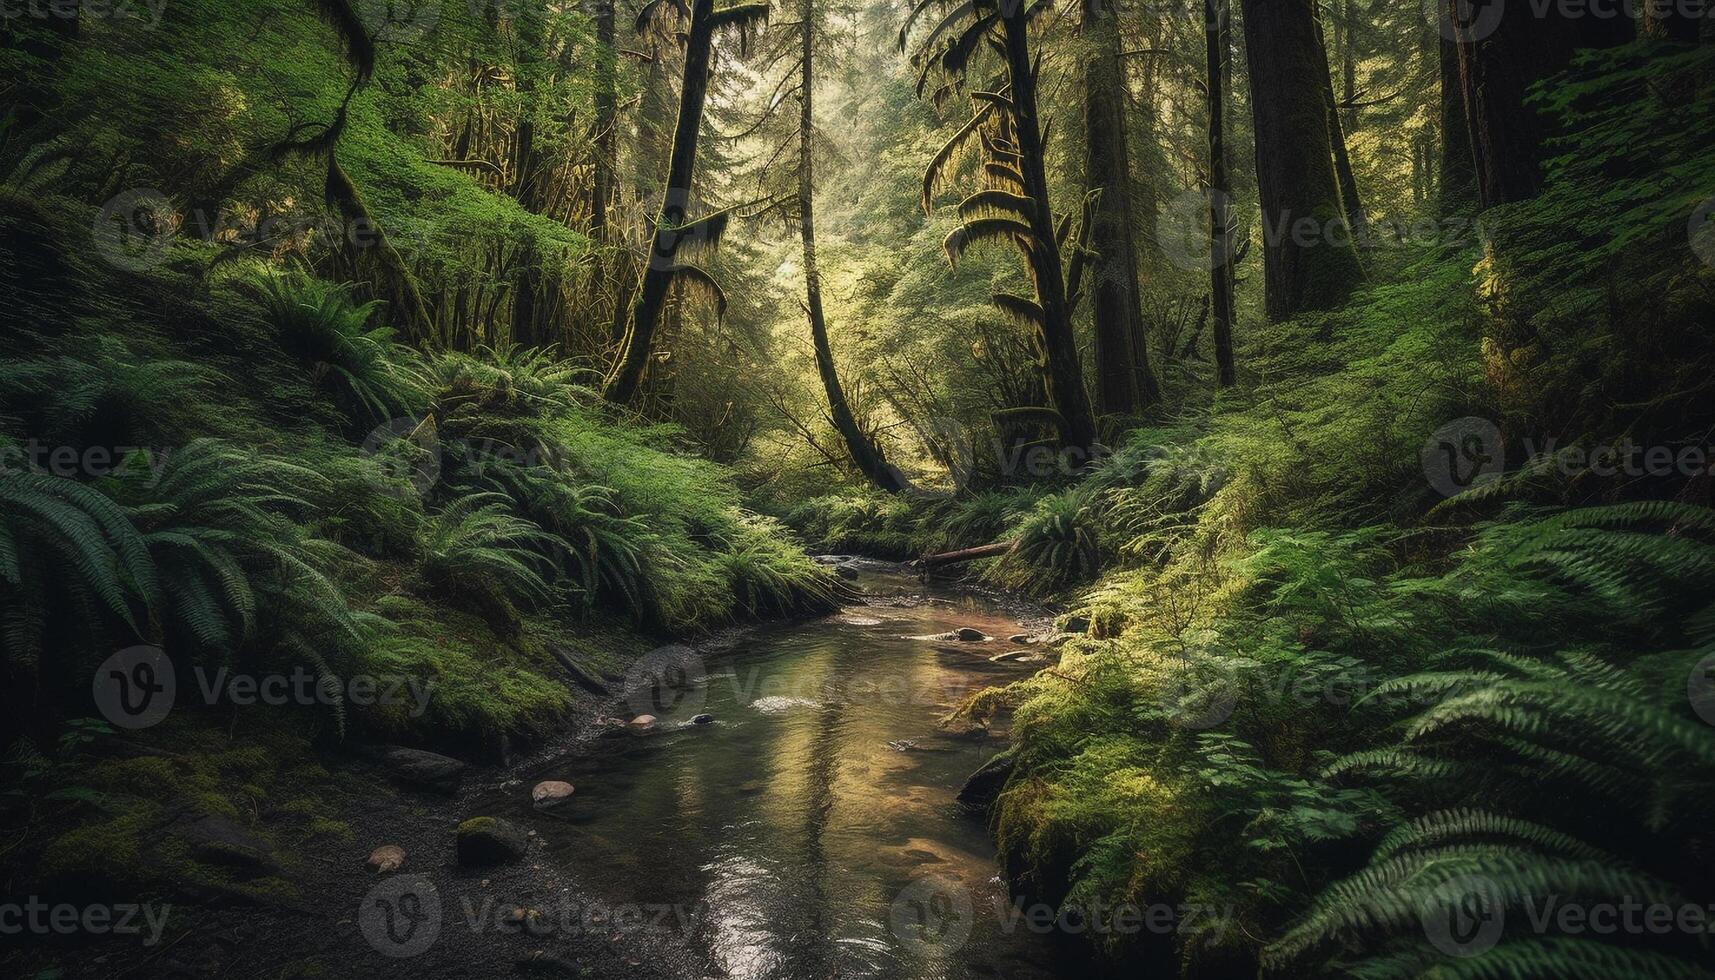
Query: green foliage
x,y
321,326
1056,547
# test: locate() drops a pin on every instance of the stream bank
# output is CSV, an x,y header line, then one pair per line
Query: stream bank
x,y
808,828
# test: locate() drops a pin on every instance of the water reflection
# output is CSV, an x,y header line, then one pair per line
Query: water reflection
x,y
798,821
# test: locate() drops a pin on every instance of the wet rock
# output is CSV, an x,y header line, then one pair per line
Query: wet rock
x,y
846,572
1007,657
643,721
703,720
386,858
423,770
902,745
1076,624
484,841
1019,638
983,787
220,840
970,635
550,793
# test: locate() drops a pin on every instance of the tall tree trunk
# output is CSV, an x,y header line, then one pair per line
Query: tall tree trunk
x,y
1057,347
1458,178
1218,38
1308,263
1125,384
636,347
606,120
1505,49
864,453
1350,200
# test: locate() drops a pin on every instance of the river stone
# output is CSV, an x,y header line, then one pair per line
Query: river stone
x,y
551,792
970,635
1077,624
424,770
703,720
1018,638
846,572
983,787
1007,657
386,858
487,841
643,721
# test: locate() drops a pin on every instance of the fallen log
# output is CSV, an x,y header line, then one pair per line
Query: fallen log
x,y
967,554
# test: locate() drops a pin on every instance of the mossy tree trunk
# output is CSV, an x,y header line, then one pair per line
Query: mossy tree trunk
x,y
1125,381
636,346
1309,258
1057,347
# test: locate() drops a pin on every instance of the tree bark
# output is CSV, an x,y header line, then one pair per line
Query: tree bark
x,y
1057,347
1125,383
1458,177
1218,39
864,453
1309,259
1504,50
636,347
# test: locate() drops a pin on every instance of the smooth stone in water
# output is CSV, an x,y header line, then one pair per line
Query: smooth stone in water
x,y
970,635
703,720
643,721
551,792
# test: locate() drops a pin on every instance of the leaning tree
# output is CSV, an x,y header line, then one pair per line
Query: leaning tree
x,y
675,232
1011,203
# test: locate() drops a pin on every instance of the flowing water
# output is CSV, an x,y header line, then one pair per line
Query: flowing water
x,y
810,831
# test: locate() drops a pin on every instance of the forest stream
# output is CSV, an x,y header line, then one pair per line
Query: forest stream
x,y
810,829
